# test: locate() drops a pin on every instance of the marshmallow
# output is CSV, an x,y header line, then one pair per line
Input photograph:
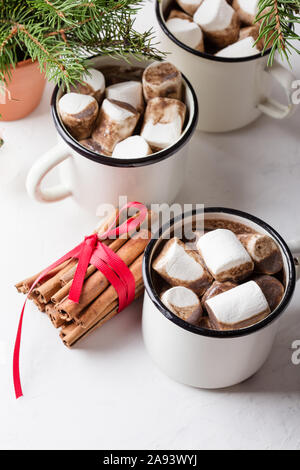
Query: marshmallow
x,y
204,322
243,48
93,83
180,266
189,6
163,122
246,10
132,147
179,14
78,112
187,32
90,144
219,22
238,308
272,288
184,303
217,288
129,92
225,256
264,252
162,79
116,122
252,31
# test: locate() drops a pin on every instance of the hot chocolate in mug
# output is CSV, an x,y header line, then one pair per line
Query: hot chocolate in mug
x,y
94,179
208,358
232,92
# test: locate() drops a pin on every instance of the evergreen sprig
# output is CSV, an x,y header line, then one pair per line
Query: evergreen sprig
x,y
277,20
61,34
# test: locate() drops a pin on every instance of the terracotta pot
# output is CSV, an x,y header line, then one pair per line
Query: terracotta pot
x,y
23,93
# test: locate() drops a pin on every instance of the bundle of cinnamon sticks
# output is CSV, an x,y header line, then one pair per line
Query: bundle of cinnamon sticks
x,y
99,299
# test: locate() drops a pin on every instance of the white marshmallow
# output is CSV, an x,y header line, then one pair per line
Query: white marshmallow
x,y
189,6
246,10
132,147
217,288
249,6
79,113
74,103
162,79
95,79
92,145
252,31
179,266
214,15
243,48
184,303
224,255
115,111
93,83
129,92
160,135
264,252
238,307
163,121
116,122
186,31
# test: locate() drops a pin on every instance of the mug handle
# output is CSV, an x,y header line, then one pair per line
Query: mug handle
x,y
294,246
46,163
285,78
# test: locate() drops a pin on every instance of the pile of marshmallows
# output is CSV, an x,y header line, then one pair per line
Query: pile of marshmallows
x,y
228,26
207,289
104,119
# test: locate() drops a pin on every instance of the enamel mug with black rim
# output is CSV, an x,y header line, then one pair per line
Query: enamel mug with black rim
x,y
208,358
93,179
232,92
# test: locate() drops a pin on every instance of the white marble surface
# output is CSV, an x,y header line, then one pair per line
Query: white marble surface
x,y
107,394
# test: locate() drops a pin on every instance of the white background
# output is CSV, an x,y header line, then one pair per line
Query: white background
x,y
106,393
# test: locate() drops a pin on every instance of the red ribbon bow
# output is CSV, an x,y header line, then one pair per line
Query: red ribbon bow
x,y
91,251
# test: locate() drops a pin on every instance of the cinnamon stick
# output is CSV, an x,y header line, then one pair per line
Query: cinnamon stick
x,y
71,333
95,311
99,299
25,285
48,288
35,298
64,291
54,315
97,282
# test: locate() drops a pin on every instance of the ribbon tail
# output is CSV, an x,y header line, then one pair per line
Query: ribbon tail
x,y
16,357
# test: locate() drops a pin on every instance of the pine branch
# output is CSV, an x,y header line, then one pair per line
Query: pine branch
x,y
56,10
62,34
278,25
277,20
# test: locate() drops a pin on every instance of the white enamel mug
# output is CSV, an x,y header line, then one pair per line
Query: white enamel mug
x,y
208,358
231,92
93,179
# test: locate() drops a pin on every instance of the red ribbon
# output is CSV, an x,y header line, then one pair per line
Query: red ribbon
x,y
91,251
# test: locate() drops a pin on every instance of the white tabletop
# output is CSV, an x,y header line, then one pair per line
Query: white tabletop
x,y
106,393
